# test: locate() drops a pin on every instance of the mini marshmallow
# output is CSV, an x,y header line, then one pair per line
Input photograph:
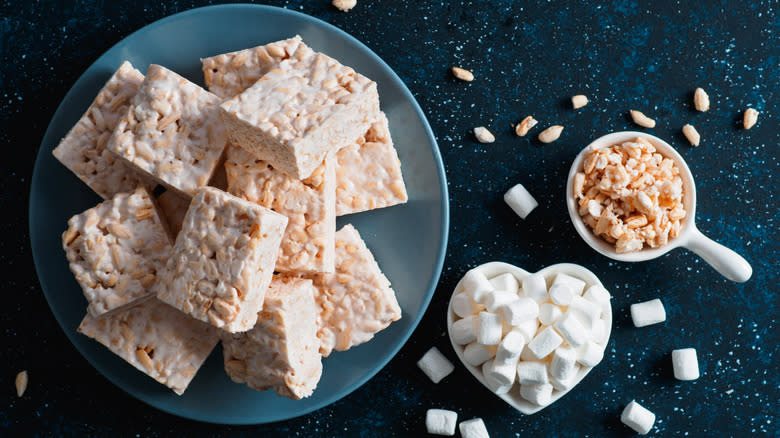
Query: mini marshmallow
x,y
492,384
464,330
648,313
493,300
521,202
590,354
506,282
510,347
532,373
572,330
586,311
561,294
435,365
537,394
565,385
476,285
564,363
685,364
549,313
441,422
598,295
600,331
489,330
638,418
528,329
519,310
575,284
545,342
503,372
463,306
476,354
535,287
473,429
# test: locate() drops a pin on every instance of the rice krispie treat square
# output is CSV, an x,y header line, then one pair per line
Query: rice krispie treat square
x,y
368,173
306,106
172,131
282,350
356,301
83,149
117,251
309,204
157,339
223,260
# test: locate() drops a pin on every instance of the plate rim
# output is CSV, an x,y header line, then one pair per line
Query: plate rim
x,y
439,164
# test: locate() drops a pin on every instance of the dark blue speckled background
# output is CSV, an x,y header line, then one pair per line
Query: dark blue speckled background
x,y
528,59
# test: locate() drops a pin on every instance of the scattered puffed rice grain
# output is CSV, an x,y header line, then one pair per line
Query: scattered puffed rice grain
x,y
344,5
462,74
579,101
550,134
483,135
691,134
750,118
524,126
642,120
701,100
21,383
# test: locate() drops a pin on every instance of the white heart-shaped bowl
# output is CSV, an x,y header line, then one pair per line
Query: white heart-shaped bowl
x,y
493,269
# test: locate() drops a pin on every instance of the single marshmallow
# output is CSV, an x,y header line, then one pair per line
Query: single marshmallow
x,y
549,313
532,373
575,284
586,311
492,384
561,294
572,330
600,331
489,330
519,310
503,372
537,394
520,200
685,363
565,385
590,354
638,418
510,347
441,422
493,300
464,330
564,363
535,287
597,294
545,342
648,313
528,329
506,282
435,365
476,354
476,285
463,306
473,429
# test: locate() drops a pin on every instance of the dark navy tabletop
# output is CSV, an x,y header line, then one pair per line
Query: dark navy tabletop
x,y
527,59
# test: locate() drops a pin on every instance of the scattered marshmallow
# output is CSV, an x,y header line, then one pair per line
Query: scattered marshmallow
x,y
685,363
463,306
564,363
538,394
519,310
586,311
492,384
510,347
503,372
435,365
506,282
545,342
520,200
648,313
464,330
549,313
532,373
493,300
561,294
575,284
590,354
638,418
535,287
441,422
489,330
475,354
476,285
473,429
572,330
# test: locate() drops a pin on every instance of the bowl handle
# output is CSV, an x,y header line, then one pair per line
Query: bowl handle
x,y
727,262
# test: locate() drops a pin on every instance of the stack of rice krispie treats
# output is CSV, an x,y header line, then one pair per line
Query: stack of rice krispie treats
x,y
219,216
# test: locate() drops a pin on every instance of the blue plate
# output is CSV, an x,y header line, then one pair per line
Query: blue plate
x,y
408,241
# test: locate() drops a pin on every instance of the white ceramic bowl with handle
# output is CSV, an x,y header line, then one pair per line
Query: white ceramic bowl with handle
x,y
727,262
